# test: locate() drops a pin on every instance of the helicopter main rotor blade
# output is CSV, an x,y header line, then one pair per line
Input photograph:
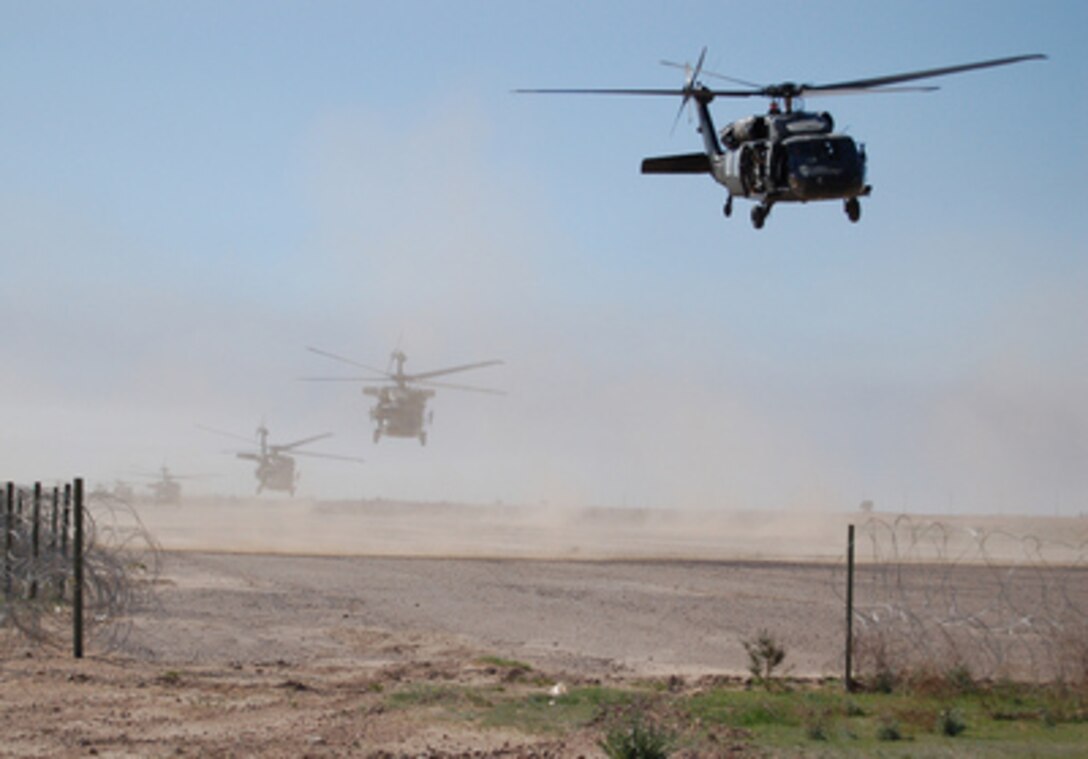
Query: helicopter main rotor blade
x,y
346,379
871,91
225,433
881,81
702,91
345,360
673,92
470,388
334,456
713,74
297,443
794,90
450,370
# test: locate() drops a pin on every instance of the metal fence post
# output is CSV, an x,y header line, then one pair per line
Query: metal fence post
x,y
53,521
9,535
848,678
35,541
67,519
77,571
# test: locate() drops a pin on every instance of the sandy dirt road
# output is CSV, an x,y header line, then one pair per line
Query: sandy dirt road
x,y
631,618
245,652
294,655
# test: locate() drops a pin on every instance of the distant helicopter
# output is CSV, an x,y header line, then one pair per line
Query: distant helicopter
x,y
275,468
784,156
166,488
400,410
121,491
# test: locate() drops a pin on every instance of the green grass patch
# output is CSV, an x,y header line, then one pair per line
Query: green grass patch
x,y
825,720
457,700
540,712
501,663
814,720
169,677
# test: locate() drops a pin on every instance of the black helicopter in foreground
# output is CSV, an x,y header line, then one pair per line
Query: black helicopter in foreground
x,y
401,410
783,156
276,463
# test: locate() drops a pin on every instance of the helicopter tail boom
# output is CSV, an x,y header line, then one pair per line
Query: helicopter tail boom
x,y
687,163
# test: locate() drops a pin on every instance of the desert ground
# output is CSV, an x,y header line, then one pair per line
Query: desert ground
x,y
282,627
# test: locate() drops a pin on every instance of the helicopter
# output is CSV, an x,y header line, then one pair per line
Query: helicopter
x,y
785,155
120,491
275,468
401,410
166,487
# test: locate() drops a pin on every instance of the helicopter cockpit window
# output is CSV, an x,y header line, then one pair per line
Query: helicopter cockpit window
x,y
828,152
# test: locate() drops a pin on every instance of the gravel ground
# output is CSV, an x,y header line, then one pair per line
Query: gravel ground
x,y
594,618
261,640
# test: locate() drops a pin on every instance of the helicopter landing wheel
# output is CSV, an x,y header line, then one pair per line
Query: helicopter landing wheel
x,y
727,209
377,435
852,206
423,438
759,215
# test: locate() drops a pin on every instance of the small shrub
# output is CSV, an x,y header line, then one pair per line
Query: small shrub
x,y
889,730
765,654
961,680
817,730
817,723
169,677
636,740
950,722
854,710
878,661
884,681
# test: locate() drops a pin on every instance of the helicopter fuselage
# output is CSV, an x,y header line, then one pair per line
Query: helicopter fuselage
x,y
166,491
793,157
275,471
399,412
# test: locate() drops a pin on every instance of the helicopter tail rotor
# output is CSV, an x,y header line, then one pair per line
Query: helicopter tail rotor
x,y
691,80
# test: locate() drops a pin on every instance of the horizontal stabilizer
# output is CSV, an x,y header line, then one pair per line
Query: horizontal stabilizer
x,y
689,163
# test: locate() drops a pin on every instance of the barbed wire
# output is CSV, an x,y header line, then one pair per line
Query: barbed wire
x,y
121,562
938,598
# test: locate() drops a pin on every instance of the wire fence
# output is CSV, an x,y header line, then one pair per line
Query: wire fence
x,y
120,564
932,598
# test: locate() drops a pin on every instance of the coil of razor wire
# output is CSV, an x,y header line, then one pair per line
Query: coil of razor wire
x,y
120,565
934,596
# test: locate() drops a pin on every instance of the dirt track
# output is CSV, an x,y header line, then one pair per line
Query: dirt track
x,y
289,655
594,618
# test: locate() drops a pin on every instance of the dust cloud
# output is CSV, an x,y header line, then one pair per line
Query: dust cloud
x,y
451,530
645,403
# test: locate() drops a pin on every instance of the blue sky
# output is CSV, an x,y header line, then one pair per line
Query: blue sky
x,y
195,191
